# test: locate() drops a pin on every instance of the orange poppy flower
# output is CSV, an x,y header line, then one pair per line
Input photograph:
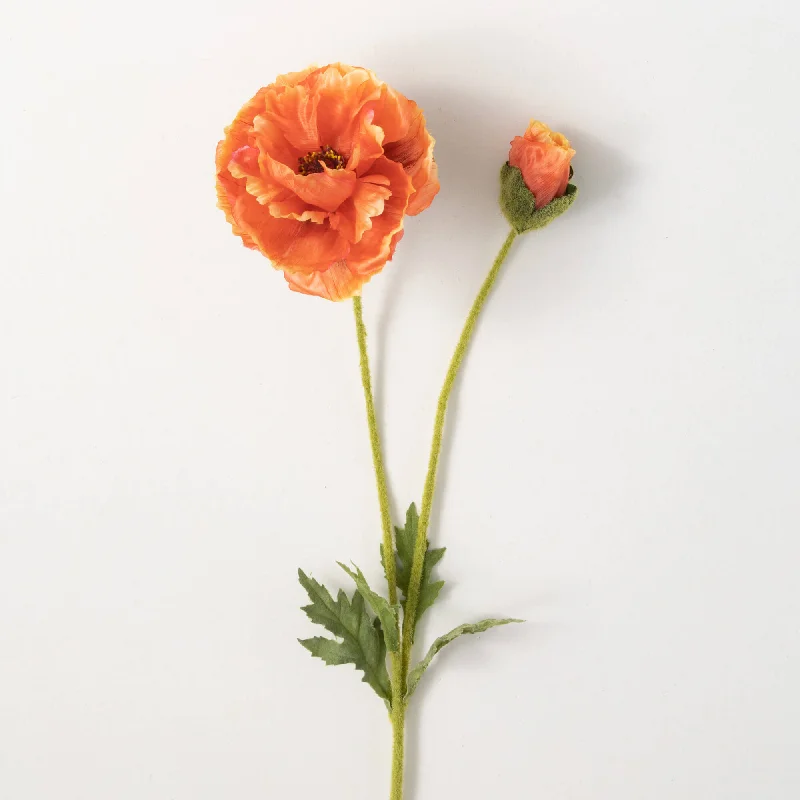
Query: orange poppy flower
x,y
542,156
317,172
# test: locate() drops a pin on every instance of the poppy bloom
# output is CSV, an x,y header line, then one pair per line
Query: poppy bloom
x,y
317,172
542,156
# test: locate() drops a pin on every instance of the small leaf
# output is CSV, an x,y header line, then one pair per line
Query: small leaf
x,y
406,539
427,596
389,615
519,204
362,639
478,627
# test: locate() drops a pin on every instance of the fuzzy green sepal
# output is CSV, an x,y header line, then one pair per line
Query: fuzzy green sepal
x,y
519,204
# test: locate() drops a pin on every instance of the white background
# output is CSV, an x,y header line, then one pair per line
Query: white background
x,y
180,432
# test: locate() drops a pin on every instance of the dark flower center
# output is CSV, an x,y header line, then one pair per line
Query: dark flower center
x,y
313,161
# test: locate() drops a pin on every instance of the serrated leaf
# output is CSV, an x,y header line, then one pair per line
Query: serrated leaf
x,y
362,639
405,539
427,597
476,627
388,614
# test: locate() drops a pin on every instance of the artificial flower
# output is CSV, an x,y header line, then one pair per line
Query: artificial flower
x,y
543,157
318,171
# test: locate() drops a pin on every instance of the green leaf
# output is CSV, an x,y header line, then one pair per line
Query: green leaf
x,y
519,204
362,639
405,539
478,627
389,615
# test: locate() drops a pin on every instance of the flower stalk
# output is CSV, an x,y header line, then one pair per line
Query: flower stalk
x,y
377,453
401,661
421,544
302,179
398,674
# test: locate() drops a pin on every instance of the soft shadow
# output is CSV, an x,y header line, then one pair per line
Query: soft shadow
x,y
414,743
378,359
473,128
469,152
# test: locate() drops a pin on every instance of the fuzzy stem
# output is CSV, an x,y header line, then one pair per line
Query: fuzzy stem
x,y
398,680
421,544
377,455
398,746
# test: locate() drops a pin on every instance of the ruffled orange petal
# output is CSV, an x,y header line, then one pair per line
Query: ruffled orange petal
x,y
544,167
226,189
366,145
244,166
539,132
415,152
343,97
243,163
290,206
354,216
237,134
335,283
428,177
375,247
293,112
293,78
303,246
394,113
326,190
269,137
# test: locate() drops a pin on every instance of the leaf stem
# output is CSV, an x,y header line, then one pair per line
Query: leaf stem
x,y
421,544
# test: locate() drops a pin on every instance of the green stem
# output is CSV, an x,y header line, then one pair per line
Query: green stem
x,y
398,746
398,705
421,544
377,455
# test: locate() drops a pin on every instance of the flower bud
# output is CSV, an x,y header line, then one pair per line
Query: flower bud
x,y
535,186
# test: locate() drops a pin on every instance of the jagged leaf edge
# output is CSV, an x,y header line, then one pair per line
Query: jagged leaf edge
x,y
388,614
375,675
405,540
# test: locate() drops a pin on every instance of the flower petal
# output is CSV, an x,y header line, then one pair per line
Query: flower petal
x,y
293,78
226,189
354,217
415,152
293,112
376,246
270,138
237,134
344,94
290,206
244,163
303,246
326,190
394,113
335,283
366,145
427,177
544,166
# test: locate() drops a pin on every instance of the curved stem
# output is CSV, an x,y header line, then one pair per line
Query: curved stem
x,y
421,544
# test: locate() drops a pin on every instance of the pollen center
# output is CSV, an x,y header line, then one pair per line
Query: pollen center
x,y
313,161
